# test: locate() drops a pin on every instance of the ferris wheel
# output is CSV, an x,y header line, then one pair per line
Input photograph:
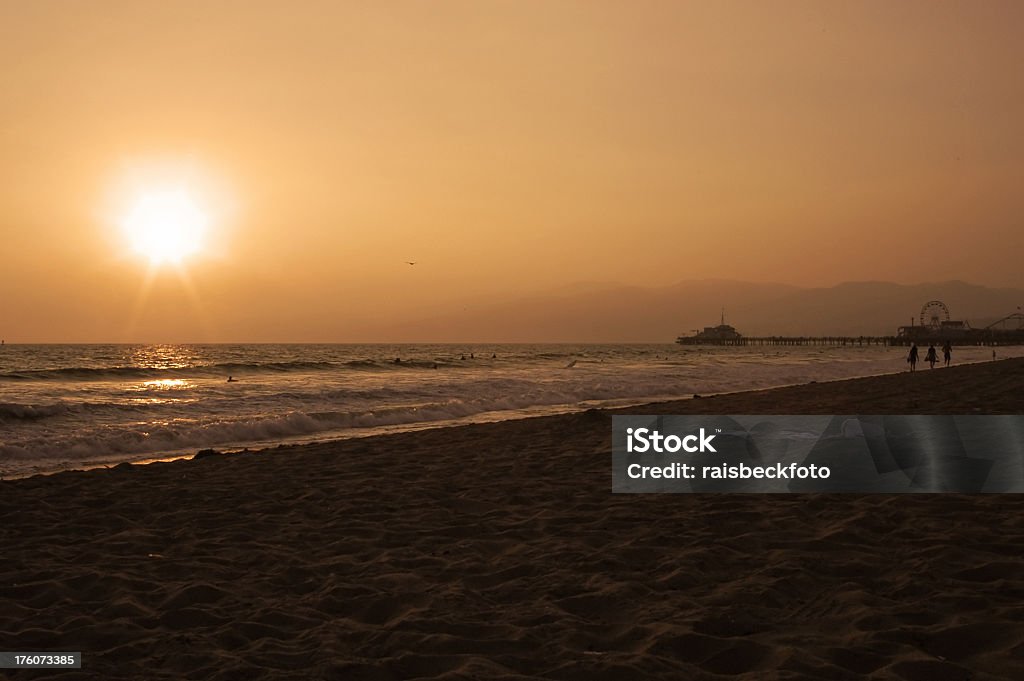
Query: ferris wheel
x,y
934,313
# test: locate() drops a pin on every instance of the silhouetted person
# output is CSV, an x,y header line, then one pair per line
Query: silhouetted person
x,y
912,357
947,352
231,379
932,357
398,360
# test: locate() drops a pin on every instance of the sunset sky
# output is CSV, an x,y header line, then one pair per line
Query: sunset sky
x,y
506,147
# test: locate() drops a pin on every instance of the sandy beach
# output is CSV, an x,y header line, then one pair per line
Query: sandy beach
x,y
497,551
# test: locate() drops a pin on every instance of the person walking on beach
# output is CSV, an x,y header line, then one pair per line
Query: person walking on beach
x,y
912,357
947,352
932,356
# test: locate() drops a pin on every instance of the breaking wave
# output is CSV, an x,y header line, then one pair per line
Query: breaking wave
x,y
218,370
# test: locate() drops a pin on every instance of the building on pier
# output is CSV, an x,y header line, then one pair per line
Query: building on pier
x,y
721,334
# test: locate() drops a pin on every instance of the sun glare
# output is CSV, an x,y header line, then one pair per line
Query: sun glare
x,y
165,225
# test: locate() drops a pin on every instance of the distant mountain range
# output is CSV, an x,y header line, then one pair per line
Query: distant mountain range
x,y
616,313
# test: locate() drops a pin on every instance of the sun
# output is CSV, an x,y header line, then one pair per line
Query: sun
x,y
165,225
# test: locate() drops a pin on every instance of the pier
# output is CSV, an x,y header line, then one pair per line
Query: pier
x,y
788,340
978,339
935,328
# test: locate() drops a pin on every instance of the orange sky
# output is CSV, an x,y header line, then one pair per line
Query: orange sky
x,y
508,147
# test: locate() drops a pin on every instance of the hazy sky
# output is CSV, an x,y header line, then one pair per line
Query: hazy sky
x,y
506,147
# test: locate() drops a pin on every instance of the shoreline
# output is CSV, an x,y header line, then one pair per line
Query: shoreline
x,y
386,431
497,551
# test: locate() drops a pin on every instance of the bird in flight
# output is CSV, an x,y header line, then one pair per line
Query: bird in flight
x,y
409,263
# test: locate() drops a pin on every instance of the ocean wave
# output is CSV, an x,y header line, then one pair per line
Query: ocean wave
x,y
140,439
14,412
143,373
218,370
31,412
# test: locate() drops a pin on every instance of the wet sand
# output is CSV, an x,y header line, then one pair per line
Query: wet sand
x,y
497,551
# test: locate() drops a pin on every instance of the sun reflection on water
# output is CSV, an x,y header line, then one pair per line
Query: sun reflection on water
x,y
168,387
162,357
163,384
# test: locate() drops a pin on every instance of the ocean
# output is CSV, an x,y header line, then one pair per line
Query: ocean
x,y
79,406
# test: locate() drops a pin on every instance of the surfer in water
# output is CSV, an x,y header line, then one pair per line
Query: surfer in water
x,y
231,379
